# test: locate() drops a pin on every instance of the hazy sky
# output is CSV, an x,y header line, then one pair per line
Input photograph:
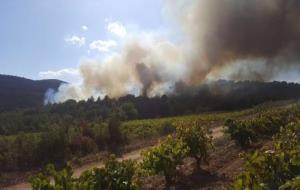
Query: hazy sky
x,y
47,38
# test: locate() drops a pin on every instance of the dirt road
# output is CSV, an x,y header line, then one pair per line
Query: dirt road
x,y
134,155
217,132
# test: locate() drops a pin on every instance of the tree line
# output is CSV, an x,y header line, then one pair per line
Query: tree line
x,y
214,96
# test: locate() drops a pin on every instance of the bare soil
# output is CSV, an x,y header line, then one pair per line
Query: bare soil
x,y
223,168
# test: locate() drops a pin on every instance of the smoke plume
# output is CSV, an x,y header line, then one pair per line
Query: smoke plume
x,y
264,32
234,39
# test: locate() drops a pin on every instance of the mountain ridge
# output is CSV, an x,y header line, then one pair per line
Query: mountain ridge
x,y
19,92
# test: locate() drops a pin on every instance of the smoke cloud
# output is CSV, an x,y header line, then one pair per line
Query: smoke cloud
x,y
232,31
234,39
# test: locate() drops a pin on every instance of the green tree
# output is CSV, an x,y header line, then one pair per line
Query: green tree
x,y
115,136
129,110
26,146
52,147
100,131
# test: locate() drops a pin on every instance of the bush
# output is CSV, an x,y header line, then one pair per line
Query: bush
x,y
119,175
291,184
263,125
129,110
62,180
25,151
167,128
241,133
8,154
82,145
197,139
101,135
115,136
52,147
114,175
165,158
274,169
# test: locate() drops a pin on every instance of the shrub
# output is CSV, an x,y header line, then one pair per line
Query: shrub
x,y
86,130
196,137
241,133
274,169
167,128
82,145
119,175
129,110
263,125
101,135
115,136
25,146
114,175
62,180
52,147
165,158
291,184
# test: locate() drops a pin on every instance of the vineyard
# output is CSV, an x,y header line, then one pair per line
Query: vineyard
x,y
266,139
149,128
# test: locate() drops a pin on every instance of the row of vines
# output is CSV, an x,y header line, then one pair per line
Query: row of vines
x,y
276,168
164,159
263,125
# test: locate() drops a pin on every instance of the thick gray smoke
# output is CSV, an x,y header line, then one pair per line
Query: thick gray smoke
x,y
142,67
266,33
148,76
235,39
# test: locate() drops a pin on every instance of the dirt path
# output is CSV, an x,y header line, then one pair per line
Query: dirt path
x,y
217,132
134,155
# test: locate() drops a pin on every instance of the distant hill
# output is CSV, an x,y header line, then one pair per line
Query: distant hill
x,y
18,92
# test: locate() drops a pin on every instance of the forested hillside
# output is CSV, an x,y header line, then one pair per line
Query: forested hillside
x,y
17,92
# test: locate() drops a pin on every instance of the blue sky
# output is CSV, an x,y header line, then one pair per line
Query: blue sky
x,y
38,36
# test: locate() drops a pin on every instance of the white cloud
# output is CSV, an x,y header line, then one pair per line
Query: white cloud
x,y
75,40
117,28
68,74
84,27
103,46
